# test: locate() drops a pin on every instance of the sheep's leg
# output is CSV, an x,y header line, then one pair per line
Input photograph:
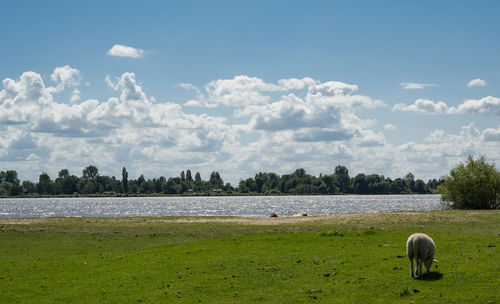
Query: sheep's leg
x,y
411,267
419,268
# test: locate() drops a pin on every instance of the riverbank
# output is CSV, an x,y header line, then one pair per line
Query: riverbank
x,y
338,258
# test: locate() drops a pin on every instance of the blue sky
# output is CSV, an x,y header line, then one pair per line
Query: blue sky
x,y
242,87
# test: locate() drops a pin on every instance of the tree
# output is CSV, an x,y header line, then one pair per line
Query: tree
x,y
90,172
475,185
44,185
125,180
397,186
216,181
342,178
11,177
140,180
410,182
63,173
420,187
29,187
360,184
329,181
189,177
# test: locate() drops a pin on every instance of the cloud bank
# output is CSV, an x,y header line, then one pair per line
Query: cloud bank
x,y
275,126
486,106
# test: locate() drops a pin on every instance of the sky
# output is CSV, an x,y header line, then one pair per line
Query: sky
x,y
241,87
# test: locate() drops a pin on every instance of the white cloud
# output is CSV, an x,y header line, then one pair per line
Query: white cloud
x,y
112,85
189,86
296,84
75,96
415,86
369,138
66,77
239,91
125,51
332,88
327,107
390,127
425,106
316,126
33,157
491,134
131,91
485,105
476,83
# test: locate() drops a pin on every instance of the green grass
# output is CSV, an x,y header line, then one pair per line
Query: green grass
x,y
346,258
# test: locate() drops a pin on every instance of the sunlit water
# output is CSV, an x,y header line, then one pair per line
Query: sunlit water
x,y
204,206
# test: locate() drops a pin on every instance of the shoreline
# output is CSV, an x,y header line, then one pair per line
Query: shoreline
x,y
250,220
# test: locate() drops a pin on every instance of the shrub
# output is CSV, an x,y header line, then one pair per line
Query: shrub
x,y
475,185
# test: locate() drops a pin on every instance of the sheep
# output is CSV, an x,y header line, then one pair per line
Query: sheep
x,y
421,247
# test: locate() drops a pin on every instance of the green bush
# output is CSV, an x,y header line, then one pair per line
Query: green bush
x,y
475,185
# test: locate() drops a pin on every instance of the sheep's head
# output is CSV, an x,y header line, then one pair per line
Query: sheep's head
x,y
428,264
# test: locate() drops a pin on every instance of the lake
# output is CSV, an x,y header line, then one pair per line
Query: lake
x,y
212,205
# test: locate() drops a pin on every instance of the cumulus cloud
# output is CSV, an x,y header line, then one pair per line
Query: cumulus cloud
x,y
326,114
485,105
476,83
369,138
66,77
296,84
130,90
75,96
29,105
243,90
125,51
491,134
112,85
415,86
425,106
279,126
289,113
240,91
332,88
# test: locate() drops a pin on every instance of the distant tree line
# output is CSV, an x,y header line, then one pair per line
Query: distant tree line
x,y
91,182
300,183
296,183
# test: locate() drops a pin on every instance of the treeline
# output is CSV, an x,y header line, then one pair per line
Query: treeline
x,y
91,182
296,183
299,182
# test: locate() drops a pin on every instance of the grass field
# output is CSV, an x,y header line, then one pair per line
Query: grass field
x,y
327,259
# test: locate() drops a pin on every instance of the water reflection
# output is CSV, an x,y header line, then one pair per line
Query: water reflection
x,y
204,206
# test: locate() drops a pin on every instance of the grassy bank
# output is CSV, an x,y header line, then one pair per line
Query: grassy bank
x,y
345,258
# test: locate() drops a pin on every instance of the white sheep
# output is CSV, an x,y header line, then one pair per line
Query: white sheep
x,y
421,247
